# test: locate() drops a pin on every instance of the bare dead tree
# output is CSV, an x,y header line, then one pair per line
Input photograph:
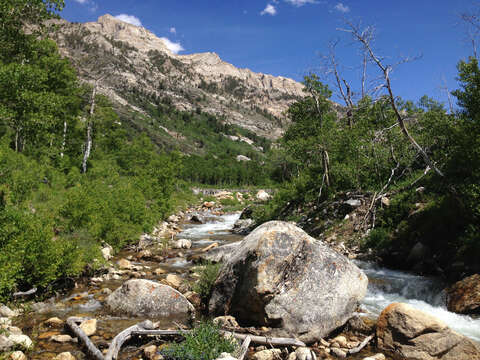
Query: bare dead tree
x,y
364,74
365,38
100,67
445,88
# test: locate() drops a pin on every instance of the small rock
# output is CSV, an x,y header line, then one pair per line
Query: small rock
x,y
226,321
208,204
197,219
107,252
124,264
54,322
144,254
106,291
182,244
174,281
338,352
385,201
13,330
353,203
64,356
61,338
159,271
341,341
303,353
262,195
21,340
5,311
378,356
5,343
150,352
270,354
173,218
89,327
225,356
194,298
5,321
17,355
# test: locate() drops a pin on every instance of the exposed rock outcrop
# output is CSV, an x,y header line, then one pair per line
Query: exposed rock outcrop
x,y
144,62
415,335
280,277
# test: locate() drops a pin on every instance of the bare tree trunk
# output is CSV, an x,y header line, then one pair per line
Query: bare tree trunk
x,y
364,74
64,137
88,143
364,38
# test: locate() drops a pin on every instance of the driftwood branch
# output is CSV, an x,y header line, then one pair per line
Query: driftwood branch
x,y
91,348
263,340
125,335
25,293
361,346
244,348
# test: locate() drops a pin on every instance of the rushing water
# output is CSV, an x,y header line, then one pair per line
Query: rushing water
x,y
426,294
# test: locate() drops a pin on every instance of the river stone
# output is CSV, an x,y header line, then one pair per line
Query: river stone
x,y
5,311
146,298
89,326
415,335
17,355
282,278
220,254
464,296
64,356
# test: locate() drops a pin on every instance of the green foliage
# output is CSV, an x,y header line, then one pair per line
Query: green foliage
x,y
204,342
208,275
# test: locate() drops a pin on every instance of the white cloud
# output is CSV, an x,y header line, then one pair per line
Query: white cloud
x,y
81,1
300,2
129,19
173,30
342,8
270,10
174,47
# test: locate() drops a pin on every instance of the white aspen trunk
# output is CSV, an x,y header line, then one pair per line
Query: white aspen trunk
x,y
64,137
88,142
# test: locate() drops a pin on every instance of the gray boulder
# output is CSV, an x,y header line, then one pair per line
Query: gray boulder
x,y
219,254
282,278
145,298
243,226
414,335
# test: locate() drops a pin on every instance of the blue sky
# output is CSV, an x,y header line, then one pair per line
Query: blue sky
x,y
287,37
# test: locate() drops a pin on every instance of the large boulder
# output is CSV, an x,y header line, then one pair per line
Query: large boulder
x,y
415,335
280,277
145,298
464,296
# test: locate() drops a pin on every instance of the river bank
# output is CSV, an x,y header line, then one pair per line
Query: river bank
x,y
171,263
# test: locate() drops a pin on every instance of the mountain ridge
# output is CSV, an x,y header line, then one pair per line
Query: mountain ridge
x,y
203,81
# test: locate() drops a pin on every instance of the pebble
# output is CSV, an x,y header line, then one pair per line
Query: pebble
x,y
304,353
338,352
21,340
150,352
182,244
124,264
89,327
5,311
64,356
341,341
5,321
375,357
271,354
17,355
159,271
225,356
174,280
54,322
62,338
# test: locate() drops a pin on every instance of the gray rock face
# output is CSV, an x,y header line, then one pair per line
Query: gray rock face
x,y
415,335
145,298
221,253
281,277
243,226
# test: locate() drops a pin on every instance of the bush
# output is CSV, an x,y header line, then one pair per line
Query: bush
x,y
208,275
205,342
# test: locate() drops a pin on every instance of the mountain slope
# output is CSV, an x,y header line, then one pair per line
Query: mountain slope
x,y
126,59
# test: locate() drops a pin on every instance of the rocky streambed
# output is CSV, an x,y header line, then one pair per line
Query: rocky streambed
x,y
44,322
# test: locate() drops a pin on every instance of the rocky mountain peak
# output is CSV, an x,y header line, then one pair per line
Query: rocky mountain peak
x,y
200,81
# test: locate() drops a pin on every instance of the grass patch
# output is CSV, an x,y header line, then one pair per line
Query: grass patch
x,y
208,275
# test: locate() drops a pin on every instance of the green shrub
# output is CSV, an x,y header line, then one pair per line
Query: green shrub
x,y
204,342
208,275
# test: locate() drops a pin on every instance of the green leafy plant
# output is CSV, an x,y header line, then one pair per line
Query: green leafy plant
x,y
208,275
204,342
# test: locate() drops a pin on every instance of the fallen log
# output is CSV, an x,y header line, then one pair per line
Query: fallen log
x,y
361,346
262,340
25,293
91,348
125,335
244,348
